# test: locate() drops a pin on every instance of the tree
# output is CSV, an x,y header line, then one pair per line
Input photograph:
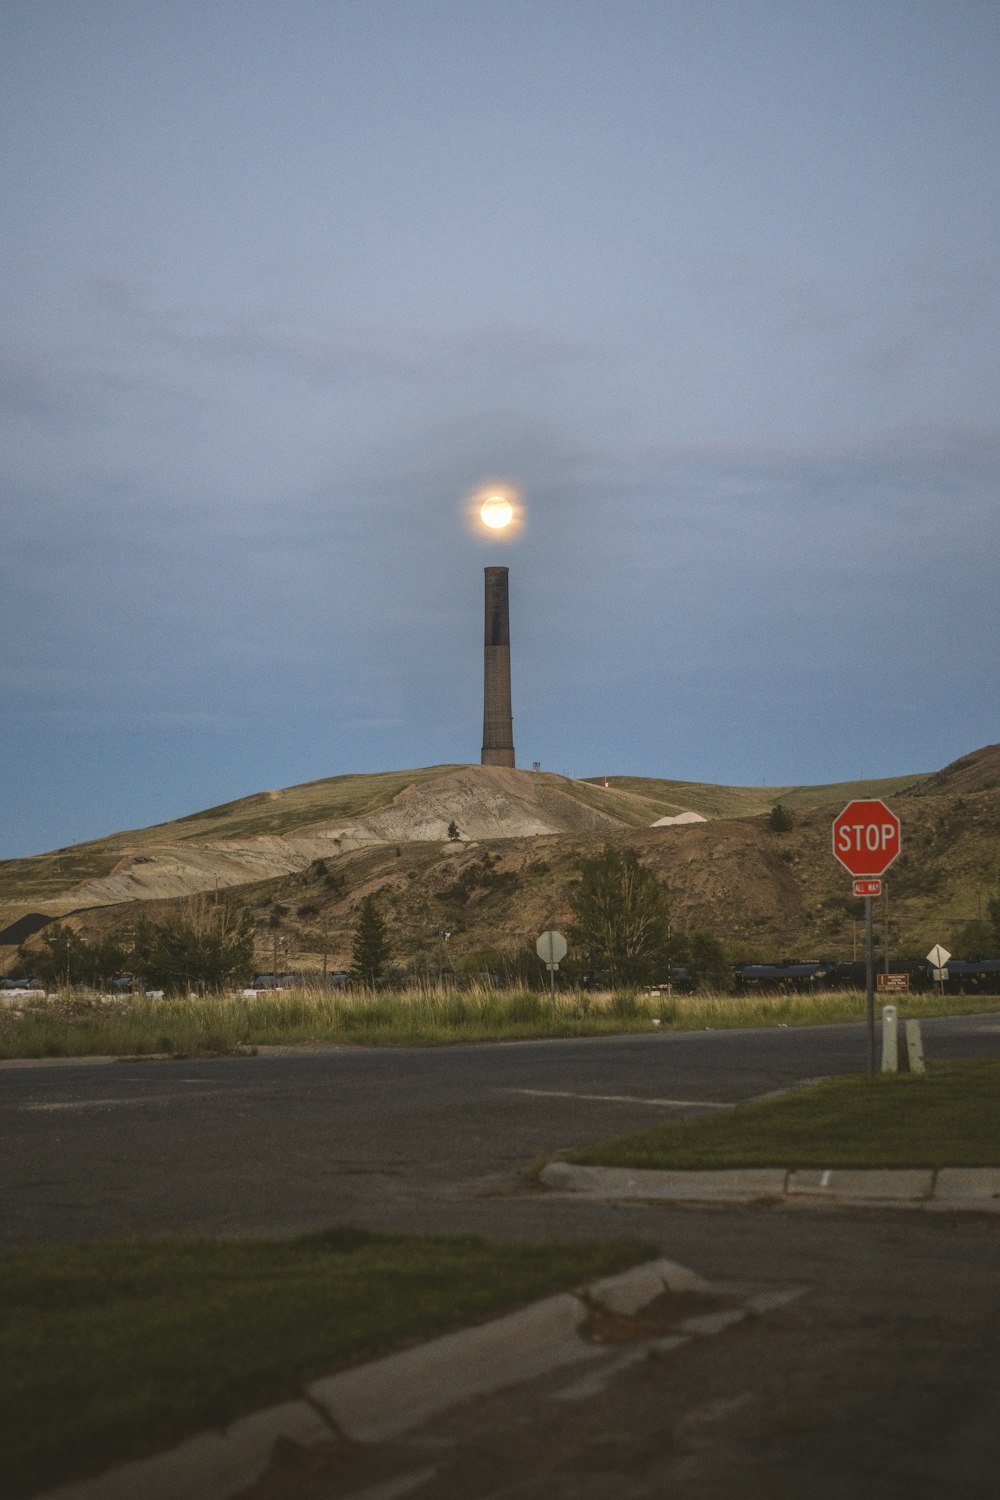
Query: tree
x,y
972,939
370,950
65,957
622,917
56,961
200,944
453,832
706,962
780,820
993,907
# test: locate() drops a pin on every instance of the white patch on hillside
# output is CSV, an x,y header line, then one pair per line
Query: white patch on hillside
x,y
484,802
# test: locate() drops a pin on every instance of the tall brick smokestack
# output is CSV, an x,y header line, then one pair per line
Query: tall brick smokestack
x,y
498,728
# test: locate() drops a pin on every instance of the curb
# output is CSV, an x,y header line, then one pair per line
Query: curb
x,y
972,1189
729,1185
384,1399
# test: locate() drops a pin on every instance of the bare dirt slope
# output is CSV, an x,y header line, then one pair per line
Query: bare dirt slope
x,y
480,801
312,853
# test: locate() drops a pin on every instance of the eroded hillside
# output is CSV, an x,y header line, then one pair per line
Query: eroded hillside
x,y
488,855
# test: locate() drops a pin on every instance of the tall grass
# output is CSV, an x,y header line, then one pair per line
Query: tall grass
x,y
79,1025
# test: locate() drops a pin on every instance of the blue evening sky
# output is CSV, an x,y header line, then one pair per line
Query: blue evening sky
x,y
714,283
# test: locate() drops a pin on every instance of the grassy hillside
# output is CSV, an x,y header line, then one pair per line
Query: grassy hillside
x,y
670,797
768,894
297,807
336,797
839,793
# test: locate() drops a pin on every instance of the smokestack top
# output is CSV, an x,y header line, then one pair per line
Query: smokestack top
x,y
498,731
497,624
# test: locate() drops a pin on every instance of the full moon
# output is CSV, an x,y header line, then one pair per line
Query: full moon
x,y
496,512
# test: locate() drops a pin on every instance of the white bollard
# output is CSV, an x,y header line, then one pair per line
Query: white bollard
x,y
914,1047
890,1039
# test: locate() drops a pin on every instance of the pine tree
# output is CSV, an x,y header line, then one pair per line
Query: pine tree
x,y
370,951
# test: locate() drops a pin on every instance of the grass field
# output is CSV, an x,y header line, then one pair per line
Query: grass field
x,y
947,1117
75,1025
111,1351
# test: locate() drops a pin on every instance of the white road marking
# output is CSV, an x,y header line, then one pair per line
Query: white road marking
x,y
622,1099
131,1099
89,1104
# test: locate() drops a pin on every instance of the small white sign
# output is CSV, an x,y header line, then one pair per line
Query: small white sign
x,y
938,956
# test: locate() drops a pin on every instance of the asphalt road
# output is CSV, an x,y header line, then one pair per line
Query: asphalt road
x,y
424,1139
881,1381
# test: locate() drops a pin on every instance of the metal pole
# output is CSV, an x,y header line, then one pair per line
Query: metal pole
x,y
552,981
870,985
885,909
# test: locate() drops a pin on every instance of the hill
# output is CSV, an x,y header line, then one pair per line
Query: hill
x,y
303,858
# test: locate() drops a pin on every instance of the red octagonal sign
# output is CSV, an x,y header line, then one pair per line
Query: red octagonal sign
x,y
866,838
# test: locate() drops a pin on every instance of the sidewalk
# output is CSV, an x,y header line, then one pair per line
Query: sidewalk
x,y
378,1402
946,1189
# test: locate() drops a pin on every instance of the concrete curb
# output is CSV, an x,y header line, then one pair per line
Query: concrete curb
x,y
876,1186
972,1189
625,1182
211,1466
382,1400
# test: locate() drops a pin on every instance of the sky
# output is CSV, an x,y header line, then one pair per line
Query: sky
x,y
712,284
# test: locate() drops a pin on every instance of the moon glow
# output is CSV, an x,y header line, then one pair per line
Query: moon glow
x,y
496,512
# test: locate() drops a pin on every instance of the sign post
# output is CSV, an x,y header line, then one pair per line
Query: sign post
x,y
551,949
938,959
867,837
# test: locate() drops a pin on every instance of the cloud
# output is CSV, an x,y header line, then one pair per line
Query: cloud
x,y
343,351
34,388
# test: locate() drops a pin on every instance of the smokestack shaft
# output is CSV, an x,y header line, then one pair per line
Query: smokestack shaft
x,y
498,728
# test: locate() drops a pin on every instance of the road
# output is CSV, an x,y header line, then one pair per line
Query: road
x,y
880,1381
295,1141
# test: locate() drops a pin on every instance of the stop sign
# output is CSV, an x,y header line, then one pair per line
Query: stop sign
x,y
866,837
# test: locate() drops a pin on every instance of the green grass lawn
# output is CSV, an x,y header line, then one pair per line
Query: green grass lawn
x,y
949,1117
113,1350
